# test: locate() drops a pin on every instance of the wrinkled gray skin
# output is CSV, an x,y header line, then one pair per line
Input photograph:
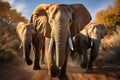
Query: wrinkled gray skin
x,y
89,37
30,37
57,22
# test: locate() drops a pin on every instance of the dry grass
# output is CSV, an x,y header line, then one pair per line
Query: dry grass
x,y
9,43
6,56
110,47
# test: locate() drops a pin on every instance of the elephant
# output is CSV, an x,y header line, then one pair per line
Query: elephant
x,y
59,23
30,37
89,38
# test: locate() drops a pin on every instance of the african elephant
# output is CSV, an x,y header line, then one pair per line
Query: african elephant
x,y
30,37
59,22
89,37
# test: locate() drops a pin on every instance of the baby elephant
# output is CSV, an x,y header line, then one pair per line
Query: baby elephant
x,y
29,36
89,37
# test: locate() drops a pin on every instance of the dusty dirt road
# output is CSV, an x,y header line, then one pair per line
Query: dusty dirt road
x,y
74,72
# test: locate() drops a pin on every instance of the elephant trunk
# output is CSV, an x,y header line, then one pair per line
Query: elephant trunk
x,y
60,35
60,53
26,50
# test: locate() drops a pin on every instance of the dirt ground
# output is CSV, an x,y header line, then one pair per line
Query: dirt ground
x,y
74,72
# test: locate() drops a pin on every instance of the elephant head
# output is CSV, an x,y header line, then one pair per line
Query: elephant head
x,y
60,22
26,32
91,33
96,31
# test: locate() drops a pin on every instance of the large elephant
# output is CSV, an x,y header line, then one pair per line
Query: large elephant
x,y
59,22
89,37
30,37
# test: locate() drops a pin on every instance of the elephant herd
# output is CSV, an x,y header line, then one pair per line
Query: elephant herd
x,y
54,31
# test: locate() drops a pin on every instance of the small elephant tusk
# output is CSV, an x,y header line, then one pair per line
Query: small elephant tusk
x,y
20,46
50,45
31,44
70,43
91,43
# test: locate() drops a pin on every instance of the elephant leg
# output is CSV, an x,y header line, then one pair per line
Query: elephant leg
x,y
80,53
76,44
85,57
72,54
43,55
63,75
37,57
93,56
50,56
52,67
42,58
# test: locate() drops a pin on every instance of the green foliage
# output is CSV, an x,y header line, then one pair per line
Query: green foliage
x,y
111,16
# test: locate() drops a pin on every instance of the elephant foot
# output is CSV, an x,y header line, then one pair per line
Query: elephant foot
x,y
28,61
89,70
36,68
62,77
54,71
83,65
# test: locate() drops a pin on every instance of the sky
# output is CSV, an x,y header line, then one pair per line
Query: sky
x,y
26,7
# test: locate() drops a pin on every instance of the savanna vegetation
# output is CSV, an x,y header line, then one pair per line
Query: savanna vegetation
x,y
111,43
9,18
9,41
110,47
110,17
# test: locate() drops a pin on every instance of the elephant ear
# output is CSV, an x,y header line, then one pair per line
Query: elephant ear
x,y
81,17
96,31
19,29
40,19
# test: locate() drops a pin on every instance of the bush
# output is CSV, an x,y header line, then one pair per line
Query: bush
x,y
6,56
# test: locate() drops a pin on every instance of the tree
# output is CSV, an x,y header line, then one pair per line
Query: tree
x,y
10,15
110,17
117,7
4,9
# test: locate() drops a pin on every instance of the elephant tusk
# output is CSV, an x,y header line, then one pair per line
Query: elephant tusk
x,y
70,43
20,46
31,44
91,43
50,45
